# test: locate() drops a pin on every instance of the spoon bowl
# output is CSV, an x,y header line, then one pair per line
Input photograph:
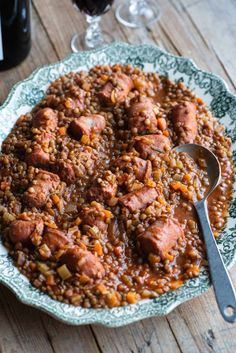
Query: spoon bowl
x,y
223,287
213,168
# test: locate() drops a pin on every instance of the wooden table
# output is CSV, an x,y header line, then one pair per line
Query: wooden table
x,y
204,30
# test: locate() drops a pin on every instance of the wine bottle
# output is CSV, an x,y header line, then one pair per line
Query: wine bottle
x,y
15,33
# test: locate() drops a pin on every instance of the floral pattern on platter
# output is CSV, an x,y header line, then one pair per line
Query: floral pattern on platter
x,y
221,102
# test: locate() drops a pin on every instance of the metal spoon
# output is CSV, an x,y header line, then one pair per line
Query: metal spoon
x,y
224,291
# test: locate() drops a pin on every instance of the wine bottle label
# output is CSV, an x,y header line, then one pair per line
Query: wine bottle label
x,y
1,49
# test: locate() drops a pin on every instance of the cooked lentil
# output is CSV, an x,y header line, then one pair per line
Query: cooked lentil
x,y
97,211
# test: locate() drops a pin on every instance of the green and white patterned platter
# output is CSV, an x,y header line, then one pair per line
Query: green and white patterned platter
x,y
206,85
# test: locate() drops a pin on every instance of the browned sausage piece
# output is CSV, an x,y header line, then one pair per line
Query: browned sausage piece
x,y
45,118
54,238
102,193
66,171
38,158
93,217
105,189
160,237
87,125
151,145
141,168
83,262
116,91
20,231
37,195
142,117
185,122
139,199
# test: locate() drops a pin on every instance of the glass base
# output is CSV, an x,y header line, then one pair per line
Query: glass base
x,y
147,16
79,43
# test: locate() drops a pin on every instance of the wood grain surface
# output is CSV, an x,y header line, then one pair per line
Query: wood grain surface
x,y
204,30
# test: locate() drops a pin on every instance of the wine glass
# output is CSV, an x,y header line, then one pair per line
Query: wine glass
x,y
93,37
138,13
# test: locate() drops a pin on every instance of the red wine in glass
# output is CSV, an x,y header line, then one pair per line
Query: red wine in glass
x,y
93,7
93,37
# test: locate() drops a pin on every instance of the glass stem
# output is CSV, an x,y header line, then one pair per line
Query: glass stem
x,y
93,35
138,7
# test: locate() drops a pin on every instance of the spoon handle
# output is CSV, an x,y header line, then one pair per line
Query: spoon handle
x,y
224,290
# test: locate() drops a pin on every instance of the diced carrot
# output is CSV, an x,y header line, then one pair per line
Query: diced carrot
x,y
98,248
176,284
131,297
161,123
151,183
62,130
50,281
178,186
112,299
69,103
55,199
51,225
4,185
101,288
169,257
85,139
166,133
200,101
107,214
78,221
187,177
104,77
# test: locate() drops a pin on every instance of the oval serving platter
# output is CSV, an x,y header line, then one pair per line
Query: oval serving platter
x,y
211,88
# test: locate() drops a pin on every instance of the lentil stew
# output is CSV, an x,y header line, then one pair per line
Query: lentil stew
x,y
96,207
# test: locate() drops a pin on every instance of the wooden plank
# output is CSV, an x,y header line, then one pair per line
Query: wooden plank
x,y
199,324
215,21
187,38
21,327
71,339
41,53
150,335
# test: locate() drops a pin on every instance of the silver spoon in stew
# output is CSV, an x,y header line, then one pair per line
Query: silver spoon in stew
x,y
223,287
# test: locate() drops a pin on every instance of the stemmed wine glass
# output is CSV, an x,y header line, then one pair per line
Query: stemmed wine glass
x,y
94,37
137,13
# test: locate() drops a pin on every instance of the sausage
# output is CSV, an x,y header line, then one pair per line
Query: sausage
x,y
45,118
160,237
139,199
117,90
141,168
87,125
185,122
20,231
83,262
37,195
54,238
38,158
93,217
102,193
142,117
66,171
151,144
105,190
